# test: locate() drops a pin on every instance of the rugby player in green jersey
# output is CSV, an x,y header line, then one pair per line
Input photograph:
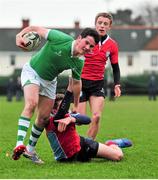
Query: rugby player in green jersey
x,y
38,79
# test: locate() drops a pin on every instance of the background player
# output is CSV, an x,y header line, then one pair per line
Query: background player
x,y
93,73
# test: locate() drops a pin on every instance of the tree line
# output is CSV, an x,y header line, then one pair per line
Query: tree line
x,y
148,15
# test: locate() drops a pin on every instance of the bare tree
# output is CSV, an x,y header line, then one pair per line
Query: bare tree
x,y
124,17
149,13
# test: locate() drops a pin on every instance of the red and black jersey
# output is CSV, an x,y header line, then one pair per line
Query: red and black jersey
x,y
64,144
95,62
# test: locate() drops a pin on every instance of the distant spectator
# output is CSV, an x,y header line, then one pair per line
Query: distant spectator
x,y
152,87
10,89
18,90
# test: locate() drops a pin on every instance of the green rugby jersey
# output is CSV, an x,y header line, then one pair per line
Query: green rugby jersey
x,y
55,57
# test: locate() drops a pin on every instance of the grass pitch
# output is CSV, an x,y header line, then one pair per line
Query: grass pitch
x,y
133,117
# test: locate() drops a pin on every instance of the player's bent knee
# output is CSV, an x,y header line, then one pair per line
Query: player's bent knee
x,y
43,121
96,118
121,156
30,106
118,156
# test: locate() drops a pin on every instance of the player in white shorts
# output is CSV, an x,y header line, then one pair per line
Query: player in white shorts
x,y
59,53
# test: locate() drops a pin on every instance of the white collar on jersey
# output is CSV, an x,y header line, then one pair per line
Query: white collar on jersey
x,y
46,35
72,48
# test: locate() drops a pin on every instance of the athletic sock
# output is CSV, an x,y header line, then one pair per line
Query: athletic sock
x,y
35,134
23,126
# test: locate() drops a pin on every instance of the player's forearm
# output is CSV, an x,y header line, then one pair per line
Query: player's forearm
x,y
80,119
40,30
116,73
76,92
64,106
77,118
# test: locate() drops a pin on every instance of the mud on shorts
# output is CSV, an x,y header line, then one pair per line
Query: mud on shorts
x,y
91,88
29,76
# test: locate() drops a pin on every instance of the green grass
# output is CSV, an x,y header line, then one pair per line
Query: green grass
x,y
133,117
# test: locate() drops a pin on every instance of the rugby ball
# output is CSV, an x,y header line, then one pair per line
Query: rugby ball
x,y
32,40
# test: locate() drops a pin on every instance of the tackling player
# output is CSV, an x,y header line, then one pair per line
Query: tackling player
x,y
66,143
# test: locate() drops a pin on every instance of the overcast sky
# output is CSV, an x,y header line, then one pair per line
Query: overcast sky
x,y
61,13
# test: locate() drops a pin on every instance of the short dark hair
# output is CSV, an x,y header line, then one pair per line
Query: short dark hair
x,y
90,32
104,14
58,98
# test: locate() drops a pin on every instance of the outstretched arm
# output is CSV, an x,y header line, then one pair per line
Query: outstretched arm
x,y
81,119
73,118
62,123
64,106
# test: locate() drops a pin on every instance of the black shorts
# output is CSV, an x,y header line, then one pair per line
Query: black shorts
x,y
89,149
91,88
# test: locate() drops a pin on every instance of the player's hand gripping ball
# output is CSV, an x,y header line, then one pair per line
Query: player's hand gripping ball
x,y
32,41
